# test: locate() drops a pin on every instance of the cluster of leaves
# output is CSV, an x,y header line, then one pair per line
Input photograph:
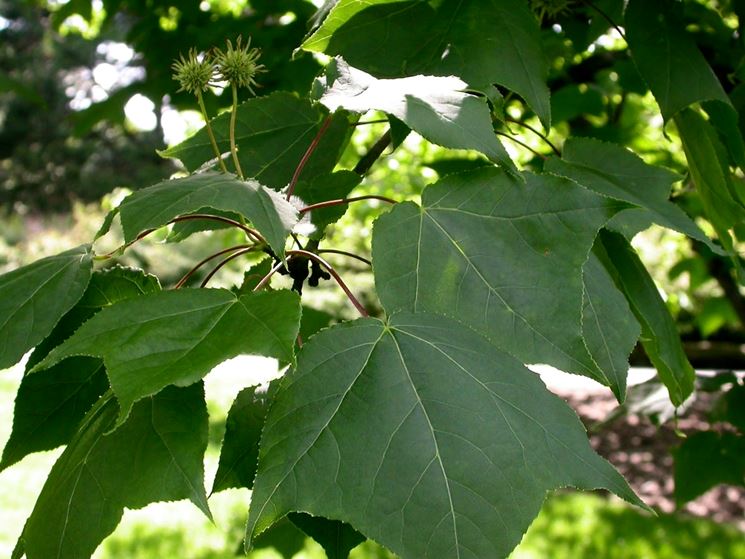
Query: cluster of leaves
x,y
422,428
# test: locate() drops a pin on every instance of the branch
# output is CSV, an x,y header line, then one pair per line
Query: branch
x,y
367,161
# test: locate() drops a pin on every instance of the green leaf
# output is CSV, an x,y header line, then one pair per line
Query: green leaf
x,y
659,335
240,446
50,405
182,230
336,538
710,173
706,459
422,435
495,41
614,171
157,205
725,119
503,256
322,188
667,56
35,297
609,328
177,337
272,134
157,455
436,107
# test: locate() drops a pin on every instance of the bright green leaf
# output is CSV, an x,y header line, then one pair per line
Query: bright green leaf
x,y
50,405
272,134
157,205
659,335
35,297
423,436
667,56
157,455
608,325
503,256
614,171
436,107
177,337
495,41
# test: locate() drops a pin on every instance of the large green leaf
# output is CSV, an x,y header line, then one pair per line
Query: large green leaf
x,y
35,297
710,173
668,58
157,205
659,335
50,405
494,41
272,134
423,436
157,455
503,256
614,171
436,107
176,337
609,328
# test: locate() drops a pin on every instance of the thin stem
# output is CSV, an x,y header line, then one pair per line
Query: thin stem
x,y
345,253
367,161
269,275
200,99
523,144
217,268
607,18
124,246
537,133
233,149
191,272
308,152
342,201
364,122
336,277
255,235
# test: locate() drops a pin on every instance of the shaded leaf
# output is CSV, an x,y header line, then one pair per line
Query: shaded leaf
x,y
157,205
322,188
504,257
182,230
50,405
438,108
157,455
495,41
668,58
659,335
314,321
272,134
34,298
705,460
614,171
422,435
609,328
336,538
177,337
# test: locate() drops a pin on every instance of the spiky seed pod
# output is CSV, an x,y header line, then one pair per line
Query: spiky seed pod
x,y
194,75
238,65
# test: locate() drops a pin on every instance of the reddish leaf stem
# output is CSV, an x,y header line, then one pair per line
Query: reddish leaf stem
x,y
308,152
191,272
340,201
345,253
225,261
269,275
255,235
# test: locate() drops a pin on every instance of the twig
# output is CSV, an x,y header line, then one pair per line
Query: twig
x,y
191,272
341,201
367,161
308,152
523,144
345,253
537,133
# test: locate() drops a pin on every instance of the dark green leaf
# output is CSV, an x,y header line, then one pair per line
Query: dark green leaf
x,y
436,107
184,229
50,405
272,134
240,446
336,538
503,256
574,100
157,205
668,58
313,321
731,406
659,335
253,276
176,337
608,325
422,435
35,297
322,188
614,171
495,41
157,455
399,131
725,119
706,459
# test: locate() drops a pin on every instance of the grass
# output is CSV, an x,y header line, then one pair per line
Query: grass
x,y
570,526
